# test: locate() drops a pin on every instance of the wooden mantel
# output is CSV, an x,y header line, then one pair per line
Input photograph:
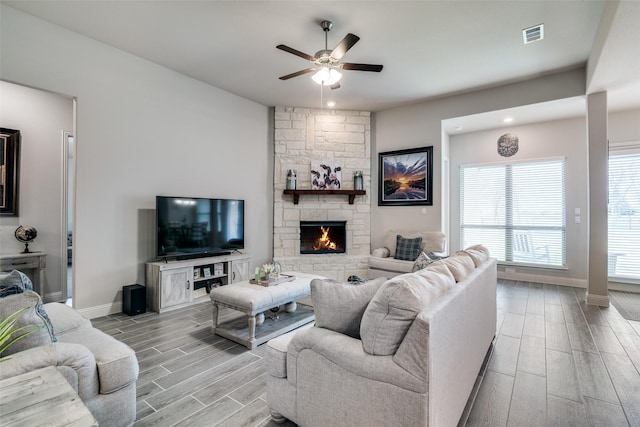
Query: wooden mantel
x,y
351,193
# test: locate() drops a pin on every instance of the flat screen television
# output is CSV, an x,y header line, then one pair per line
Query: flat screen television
x,y
191,227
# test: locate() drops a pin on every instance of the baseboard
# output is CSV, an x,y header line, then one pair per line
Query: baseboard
x,y
539,278
600,300
101,310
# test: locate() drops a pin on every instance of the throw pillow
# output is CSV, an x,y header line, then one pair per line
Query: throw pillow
x,y
40,336
407,249
17,282
421,262
339,306
393,309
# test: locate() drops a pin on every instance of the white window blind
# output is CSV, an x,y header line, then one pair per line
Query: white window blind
x,y
624,210
517,210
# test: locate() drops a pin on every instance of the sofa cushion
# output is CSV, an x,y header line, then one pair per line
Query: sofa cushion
x,y
478,253
460,264
432,241
391,264
406,248
116,361
340,306
421,262
64,318
40,334
393,308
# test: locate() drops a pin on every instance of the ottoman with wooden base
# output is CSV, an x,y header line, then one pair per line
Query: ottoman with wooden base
x,y
254,300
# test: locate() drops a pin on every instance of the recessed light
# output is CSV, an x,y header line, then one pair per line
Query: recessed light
x,y
331,104
508,120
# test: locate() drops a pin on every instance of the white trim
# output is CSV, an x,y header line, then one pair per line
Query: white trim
x,y
538,278
101,310
600,300
514,162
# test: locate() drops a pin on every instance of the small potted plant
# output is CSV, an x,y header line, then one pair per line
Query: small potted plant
x,y
268,269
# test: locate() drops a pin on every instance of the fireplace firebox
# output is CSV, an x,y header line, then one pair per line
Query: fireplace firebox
x,y
323,237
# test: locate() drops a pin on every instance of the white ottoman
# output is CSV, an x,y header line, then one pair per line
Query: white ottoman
x,y
253,300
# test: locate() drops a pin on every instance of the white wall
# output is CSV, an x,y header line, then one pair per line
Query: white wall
x,y
41,118
420,125
560,138
141,130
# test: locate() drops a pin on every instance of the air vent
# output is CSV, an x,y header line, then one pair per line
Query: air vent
x,y
533,34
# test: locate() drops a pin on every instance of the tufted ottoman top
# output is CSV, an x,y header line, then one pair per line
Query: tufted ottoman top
x,y
253,299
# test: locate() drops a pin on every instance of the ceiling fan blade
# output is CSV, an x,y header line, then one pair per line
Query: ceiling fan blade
x,y
347,43
297,73
336,85
295,52
361,67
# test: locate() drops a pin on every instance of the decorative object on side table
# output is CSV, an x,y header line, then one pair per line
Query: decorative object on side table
x,y
26,235
406,177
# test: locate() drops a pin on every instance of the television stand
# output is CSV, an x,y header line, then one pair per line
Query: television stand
x,y
181,283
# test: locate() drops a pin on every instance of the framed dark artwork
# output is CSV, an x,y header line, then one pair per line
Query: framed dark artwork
x,y
9,171
406,177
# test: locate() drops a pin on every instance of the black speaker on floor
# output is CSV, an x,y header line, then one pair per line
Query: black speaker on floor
x,y
134,299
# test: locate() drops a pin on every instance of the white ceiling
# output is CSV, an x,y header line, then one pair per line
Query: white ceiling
x,y
429,49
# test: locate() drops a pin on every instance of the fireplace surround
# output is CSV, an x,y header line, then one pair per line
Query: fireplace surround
x,y
323,237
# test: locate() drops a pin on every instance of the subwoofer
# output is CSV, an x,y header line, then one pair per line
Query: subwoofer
x,y
134,299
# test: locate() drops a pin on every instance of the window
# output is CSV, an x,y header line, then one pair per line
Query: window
x,y
517,210
624,210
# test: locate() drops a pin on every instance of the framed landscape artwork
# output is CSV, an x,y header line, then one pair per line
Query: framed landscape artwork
x,y
9,177
406,177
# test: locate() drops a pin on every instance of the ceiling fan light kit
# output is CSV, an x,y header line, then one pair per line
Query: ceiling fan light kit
x,y
327,62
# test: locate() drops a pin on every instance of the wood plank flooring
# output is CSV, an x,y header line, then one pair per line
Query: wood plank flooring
x,y
556,362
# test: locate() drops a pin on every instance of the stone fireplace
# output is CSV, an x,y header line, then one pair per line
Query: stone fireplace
x,y
341,138
323,237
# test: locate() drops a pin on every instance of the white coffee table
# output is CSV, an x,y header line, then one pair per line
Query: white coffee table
x,y
254,300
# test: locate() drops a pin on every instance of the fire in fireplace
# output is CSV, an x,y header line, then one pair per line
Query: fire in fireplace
x,y
323,237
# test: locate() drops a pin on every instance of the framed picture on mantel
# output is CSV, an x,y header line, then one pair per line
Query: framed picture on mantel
x,y
9,176
406,177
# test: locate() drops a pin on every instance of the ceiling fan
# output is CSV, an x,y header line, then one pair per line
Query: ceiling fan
x,y
327,62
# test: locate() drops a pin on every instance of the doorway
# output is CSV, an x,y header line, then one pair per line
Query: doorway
x,y
68,142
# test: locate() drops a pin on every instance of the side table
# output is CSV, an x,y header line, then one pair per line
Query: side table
x,y
42,397
34,261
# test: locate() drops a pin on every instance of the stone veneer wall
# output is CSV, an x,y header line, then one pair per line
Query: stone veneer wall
x,y
340,137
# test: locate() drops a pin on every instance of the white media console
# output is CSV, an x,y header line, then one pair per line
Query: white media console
x,y
176,284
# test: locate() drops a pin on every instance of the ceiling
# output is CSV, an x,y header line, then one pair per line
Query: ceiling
x,y
429,49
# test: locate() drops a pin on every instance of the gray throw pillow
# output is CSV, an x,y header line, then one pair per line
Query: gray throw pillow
x,y
394,307
17,282
407,249
31,316
339,306
421,262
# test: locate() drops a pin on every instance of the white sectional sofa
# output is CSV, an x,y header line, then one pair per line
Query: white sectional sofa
x,y
403,352
382,262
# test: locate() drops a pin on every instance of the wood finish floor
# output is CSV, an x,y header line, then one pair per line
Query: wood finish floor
x,y
556,362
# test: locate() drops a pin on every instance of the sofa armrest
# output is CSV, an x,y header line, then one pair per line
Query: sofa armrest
x,y
349,354
74,361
